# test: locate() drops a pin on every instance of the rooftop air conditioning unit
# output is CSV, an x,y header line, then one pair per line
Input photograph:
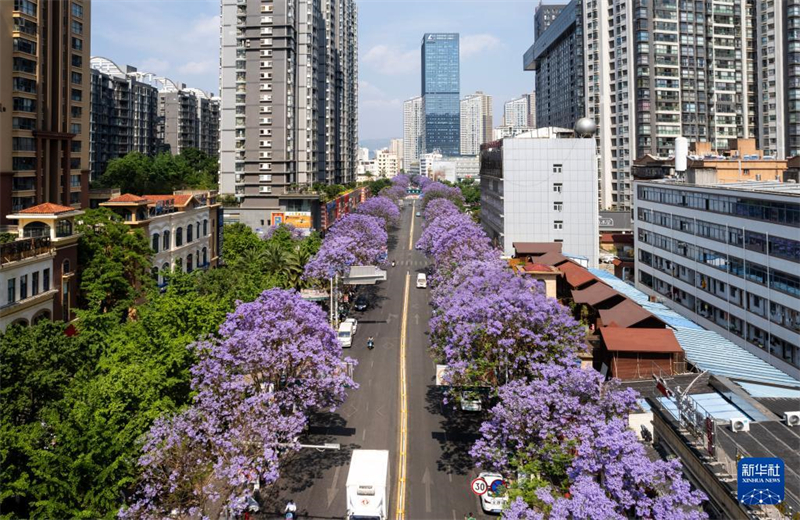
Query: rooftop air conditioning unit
x,y
792,418
740,424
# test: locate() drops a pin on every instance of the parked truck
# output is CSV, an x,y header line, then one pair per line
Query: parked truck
x,y
368,485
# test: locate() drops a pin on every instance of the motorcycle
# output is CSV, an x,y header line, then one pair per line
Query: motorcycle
x,y
370,343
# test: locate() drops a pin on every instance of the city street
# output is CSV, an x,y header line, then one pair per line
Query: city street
x,y
438,468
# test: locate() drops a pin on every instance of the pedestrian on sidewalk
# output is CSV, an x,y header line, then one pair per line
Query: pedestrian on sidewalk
x,y
469,517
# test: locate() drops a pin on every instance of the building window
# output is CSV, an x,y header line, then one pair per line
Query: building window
x,y
558,224
77,44
23,45
189,267
23,123
165,241
557,188
35,283
77,94
24,105
76,147
77,27
24,64
189,230
558,206
65,267
77,61
23,144
77,78
23,286
179,237
155,242
63,228
12,290
205,227
46,280
265,189
205,256
557,168
24,85
75,128
76,112
77,10
75,180
25,7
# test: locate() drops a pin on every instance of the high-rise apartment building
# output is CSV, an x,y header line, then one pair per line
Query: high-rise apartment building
x,y
727,257
441,92
289,114
124,115
387,163
413,130
396,147
187,118
44,104
544,16
516,112
476,122
657,70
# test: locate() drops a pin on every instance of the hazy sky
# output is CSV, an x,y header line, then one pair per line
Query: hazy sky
x,y
180,39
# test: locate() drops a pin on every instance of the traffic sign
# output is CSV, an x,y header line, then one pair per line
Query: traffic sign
x,y
496,485
479,486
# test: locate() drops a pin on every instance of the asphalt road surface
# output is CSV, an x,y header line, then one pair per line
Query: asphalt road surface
x,y
437,466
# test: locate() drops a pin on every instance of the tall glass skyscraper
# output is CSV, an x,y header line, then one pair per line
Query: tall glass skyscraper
x,y
441,93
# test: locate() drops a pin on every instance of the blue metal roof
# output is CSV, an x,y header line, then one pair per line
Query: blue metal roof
x,y
707,349
713,403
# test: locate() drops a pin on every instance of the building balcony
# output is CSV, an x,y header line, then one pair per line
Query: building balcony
x,y
24,249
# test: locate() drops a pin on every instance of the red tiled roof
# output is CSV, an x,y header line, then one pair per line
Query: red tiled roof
x,y
181,200
536,248
640,340
625,314
554,259
128,197
48,208
538,268
576,275
157,198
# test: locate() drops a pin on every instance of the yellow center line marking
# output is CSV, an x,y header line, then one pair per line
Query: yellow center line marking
x,y
413,216
402,436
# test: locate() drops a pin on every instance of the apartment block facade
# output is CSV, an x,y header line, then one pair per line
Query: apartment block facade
x,y
187,118
727,257
476,122
710,72
413,131
544,16
289,88
45,103
441,92
124,115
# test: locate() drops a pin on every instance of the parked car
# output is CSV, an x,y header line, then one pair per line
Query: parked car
x,y
419,214
361,303
347,329
353,322
496,496
422,281
470,401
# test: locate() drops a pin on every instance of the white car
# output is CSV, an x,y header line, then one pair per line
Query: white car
x,y
496,496
422,281
354,323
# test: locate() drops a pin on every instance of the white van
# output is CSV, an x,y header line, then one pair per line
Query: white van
x,y
422,281
346,332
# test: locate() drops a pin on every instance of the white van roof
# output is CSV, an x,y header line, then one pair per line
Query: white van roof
x,y
346,326
421,275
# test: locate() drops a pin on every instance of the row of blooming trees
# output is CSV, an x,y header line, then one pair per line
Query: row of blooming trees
x,y
558,429
273,362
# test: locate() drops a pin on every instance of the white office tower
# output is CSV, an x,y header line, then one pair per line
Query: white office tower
x,y
541,187
413,129
476,122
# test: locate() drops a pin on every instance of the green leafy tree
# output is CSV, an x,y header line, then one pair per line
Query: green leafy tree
x,y
115,263
162,174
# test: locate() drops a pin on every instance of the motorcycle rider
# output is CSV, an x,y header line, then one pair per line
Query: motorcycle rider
x,y
370,342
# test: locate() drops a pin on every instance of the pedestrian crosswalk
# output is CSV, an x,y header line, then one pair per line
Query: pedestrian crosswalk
x,y
412,263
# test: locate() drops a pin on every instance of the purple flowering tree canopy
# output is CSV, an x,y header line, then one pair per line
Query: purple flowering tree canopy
x,y
382,208
355,239
437,190
275,361
566,431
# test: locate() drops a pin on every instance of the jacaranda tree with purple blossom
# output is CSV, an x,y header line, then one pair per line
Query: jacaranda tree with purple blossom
x,y
564,429
382,208
274,361
355,239
437,190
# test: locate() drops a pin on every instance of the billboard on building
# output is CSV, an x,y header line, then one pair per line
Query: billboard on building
x,y
278,219
298,219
